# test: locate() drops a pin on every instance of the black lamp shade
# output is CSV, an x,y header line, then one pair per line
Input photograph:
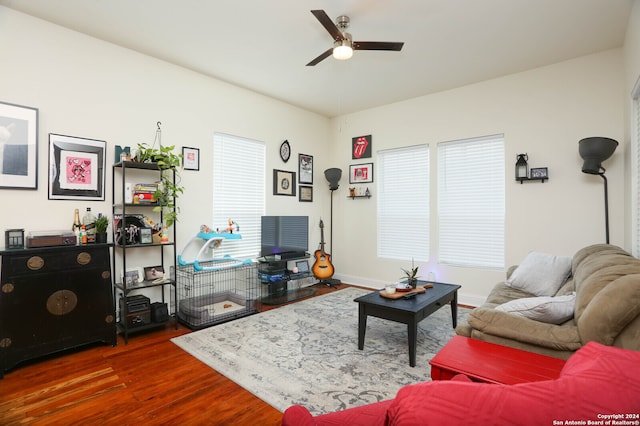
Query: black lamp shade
x,y
594,151
333,175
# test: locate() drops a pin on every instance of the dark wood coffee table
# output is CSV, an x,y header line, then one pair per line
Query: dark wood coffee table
x,y
407,311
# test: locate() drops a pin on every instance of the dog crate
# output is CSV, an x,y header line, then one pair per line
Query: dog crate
x,y
216,292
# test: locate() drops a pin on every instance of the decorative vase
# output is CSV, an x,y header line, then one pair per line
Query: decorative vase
x,y
101,237
413,282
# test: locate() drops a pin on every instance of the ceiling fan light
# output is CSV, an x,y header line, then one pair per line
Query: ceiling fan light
x,y
342,50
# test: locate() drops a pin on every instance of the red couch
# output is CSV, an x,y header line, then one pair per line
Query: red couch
x,y
598,383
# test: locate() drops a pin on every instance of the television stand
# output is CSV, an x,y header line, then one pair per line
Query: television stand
x,y
275,279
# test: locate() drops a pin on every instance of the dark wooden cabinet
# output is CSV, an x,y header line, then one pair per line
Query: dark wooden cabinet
x,y
53,299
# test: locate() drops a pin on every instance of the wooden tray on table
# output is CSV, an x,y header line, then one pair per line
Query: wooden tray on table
x,y
400,294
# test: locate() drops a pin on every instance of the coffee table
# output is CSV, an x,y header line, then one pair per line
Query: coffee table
x,y
407,311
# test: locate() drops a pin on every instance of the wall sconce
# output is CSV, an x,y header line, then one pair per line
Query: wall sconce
x,y
522,168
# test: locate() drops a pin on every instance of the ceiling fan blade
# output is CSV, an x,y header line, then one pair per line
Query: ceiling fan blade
x,y
378,45
328,24
322,57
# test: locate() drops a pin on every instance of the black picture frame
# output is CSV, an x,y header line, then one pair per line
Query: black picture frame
x,y
190,158
76,168
153,272
361,173
18,146
305,193
361,147
539,173
305,168
284,182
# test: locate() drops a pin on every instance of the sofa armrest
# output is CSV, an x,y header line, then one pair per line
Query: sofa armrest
x,y
611,310
497,323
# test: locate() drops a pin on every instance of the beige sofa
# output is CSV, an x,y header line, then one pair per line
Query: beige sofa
x,y
606,308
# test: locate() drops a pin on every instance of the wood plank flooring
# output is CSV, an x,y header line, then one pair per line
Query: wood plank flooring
x,y
148,381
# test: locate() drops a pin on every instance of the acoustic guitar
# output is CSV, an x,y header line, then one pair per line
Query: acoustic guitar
x,y
322,267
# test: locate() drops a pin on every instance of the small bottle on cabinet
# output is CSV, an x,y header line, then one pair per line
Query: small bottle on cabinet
x,y
83,235
89,222
76,225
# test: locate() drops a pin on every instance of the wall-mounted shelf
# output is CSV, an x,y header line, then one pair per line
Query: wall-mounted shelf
x,y
521,180
353,197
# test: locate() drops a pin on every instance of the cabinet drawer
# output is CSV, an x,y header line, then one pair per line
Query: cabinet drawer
x,y
54,261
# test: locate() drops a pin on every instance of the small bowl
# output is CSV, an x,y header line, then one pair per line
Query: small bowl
x,y
390,289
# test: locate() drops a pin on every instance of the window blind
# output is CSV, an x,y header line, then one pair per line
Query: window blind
x,y
403,203
471,206
238,191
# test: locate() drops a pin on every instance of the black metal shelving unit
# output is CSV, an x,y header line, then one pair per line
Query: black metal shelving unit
x,y
167,261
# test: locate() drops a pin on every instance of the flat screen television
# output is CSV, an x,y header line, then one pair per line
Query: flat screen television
x,y
286,236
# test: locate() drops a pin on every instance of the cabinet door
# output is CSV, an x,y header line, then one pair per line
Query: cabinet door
x,y
23,306
93,316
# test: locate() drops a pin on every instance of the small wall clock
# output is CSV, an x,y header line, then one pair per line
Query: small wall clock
x,y
285,151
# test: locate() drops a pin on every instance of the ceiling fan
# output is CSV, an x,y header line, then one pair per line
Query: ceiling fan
x,y
343,45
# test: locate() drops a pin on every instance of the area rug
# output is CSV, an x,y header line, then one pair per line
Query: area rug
x,y
307,353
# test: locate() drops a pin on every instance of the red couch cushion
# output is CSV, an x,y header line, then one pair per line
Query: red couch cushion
x,y
366,415
597,380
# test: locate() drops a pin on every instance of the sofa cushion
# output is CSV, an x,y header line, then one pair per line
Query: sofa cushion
x,y
541,274
553,310
559,337
597,380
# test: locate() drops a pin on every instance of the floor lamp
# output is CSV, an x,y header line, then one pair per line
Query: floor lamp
x,y
594,151
333,175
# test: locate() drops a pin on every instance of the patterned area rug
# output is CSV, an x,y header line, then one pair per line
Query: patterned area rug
x,y
307,353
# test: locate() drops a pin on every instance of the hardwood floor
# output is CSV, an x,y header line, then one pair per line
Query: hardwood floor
x,y
148,381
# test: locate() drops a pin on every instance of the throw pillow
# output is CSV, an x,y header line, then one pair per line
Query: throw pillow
x,y
541,274
552,310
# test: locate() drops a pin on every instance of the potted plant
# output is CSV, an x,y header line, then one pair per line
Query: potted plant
x,y
101,224
411,275
169,190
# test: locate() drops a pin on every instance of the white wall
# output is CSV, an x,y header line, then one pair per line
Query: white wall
x,y
88,88
543,112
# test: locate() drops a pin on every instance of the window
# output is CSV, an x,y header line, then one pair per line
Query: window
x,y
238,191
403,203
471,206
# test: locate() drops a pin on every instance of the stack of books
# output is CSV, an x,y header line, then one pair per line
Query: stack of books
x,y
145,193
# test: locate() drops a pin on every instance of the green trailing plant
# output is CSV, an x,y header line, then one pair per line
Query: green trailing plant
x,y
101,223
168,191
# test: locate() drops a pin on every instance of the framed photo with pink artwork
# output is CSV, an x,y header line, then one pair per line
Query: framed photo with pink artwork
x,y
76,168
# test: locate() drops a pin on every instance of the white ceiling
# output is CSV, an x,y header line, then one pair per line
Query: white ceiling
x,y
264,45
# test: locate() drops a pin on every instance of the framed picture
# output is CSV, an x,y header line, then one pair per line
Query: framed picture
x,y
146,236
361,173
361,147
152,273
305,168
18,146
284,182
76,168
540,172
306,193
132,276
190,158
